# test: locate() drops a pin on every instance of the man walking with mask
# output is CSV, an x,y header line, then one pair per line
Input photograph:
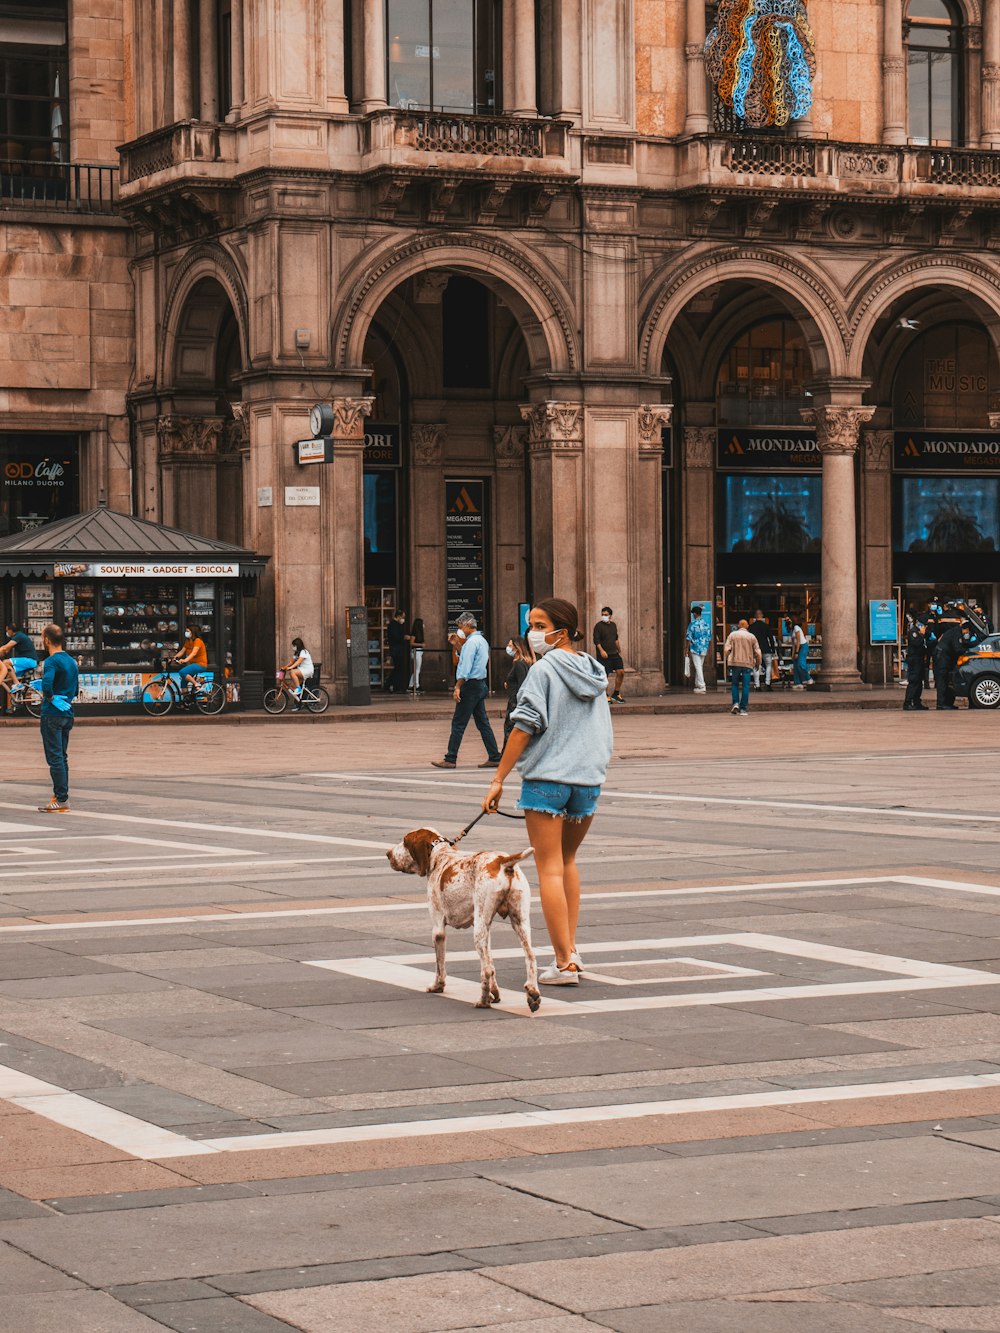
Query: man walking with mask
x,y
609,653
470,695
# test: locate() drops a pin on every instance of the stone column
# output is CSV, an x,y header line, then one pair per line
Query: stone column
x,y
645,641
188,457
373,47
521,79
428,557
694,53
698,536
239,60
342,526
893,73
509,537
183,70
333,26
558,523
990,110
208,60
838,425
875,511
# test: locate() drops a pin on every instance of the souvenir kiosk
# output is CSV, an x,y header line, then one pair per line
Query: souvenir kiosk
x,y
123,590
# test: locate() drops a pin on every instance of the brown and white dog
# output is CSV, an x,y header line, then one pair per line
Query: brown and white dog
x,y
470,890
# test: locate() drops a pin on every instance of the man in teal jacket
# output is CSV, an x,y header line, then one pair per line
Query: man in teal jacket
x,y
60,679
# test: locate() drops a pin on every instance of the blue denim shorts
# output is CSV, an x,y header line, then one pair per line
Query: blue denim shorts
x,y
561,799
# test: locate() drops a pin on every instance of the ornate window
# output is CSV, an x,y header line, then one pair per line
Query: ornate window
x,y
34,109
947,379
763,376
443,55
933,34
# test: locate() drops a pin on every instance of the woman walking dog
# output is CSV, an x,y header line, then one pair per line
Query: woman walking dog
x,y
561,741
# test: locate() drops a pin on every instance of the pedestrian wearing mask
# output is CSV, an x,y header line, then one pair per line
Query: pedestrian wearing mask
x,y
609,652
916,666
561,742
470,694
522,659
946,654
415,638
801,676
697,639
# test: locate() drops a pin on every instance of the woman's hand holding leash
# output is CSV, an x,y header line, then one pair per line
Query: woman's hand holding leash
x,y
491,801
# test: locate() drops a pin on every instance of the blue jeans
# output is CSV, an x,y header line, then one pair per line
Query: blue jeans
x,y
187,672
471,704
55,743
800,672
740,676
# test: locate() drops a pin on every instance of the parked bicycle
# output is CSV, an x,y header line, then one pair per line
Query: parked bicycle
x,y
313,697
26,695
163,693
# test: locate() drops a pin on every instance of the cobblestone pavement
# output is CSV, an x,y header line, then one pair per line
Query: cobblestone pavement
x,y
773,1106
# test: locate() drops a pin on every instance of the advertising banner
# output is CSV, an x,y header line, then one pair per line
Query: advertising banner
x,y
883,621
119,569
465,545
383,447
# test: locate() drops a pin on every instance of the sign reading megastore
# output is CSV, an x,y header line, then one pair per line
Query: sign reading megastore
x,y
945,451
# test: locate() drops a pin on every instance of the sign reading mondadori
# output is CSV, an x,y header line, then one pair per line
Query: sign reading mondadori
x,y
945,451
766,449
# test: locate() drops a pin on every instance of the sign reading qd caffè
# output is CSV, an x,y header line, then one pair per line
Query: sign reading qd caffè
x,y
945,451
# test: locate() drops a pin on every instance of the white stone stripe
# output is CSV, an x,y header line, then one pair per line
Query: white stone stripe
x,y
671,891
108,1126
151,1143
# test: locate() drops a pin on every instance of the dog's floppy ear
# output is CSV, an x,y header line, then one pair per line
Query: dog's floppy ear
x,y
419,844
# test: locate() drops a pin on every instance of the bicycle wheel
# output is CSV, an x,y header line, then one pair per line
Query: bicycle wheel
x,y
275,701
31,697
158,697
319,700
213,701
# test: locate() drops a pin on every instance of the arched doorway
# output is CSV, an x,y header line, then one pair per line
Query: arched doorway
x,y
446,493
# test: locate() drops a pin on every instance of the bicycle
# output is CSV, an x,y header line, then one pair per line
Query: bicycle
x,y
313,697
26,694
163,693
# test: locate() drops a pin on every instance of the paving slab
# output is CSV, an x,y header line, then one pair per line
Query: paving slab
x,y
201,1240
769,1184
219,1314
86,1311
425,1304
946,1288
723,1271
327,1078
161,1106
20,1274
752,1317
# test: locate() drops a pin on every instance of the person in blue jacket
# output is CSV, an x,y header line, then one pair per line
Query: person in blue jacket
x,y
60,680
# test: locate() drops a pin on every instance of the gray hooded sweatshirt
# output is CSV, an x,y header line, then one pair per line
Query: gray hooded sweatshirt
x,y
563,707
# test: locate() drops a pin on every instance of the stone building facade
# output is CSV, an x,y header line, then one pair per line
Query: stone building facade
x,y
580,330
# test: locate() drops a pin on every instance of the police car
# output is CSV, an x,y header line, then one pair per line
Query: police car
x,y
977,676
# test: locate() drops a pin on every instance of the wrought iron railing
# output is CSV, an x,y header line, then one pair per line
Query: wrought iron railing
x,y
493,136
957,166
771,156
70,186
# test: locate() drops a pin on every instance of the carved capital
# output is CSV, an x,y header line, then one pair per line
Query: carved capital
x,y
189,437
878,450
553,425
699,446
994,420
695,51
837,428
428,442
428,288
508,445
349,419
652,417
893,65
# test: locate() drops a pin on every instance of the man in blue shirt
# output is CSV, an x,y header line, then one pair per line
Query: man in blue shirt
x,y
17,658
60,680
470,695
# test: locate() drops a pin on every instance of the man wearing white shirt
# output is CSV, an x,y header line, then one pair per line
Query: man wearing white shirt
x,y
470,695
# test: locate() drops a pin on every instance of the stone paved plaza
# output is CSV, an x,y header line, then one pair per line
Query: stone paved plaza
x,y
228,1106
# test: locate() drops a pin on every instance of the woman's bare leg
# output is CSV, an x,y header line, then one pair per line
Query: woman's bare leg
x,y
545,833
573,834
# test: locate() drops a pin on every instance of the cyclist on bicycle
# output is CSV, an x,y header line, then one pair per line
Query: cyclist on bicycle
x,y
191,661
299,670
17,658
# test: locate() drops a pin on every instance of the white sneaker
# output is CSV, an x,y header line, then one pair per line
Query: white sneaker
x,y
744,712
798,687
575,958
735,709
557,976
700,690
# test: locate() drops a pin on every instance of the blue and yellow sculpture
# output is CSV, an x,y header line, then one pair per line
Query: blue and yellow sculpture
x,y
762,59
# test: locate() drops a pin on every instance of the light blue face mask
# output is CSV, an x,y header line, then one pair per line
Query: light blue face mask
x,y
509,650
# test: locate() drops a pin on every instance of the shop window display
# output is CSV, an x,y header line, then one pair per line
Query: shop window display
x,y
770,514
140,625
948,515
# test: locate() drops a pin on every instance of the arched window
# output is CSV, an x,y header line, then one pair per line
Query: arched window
x,y
947,379
443,55
763,376
934,72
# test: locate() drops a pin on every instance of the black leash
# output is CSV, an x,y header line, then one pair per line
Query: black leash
x,y
472,824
